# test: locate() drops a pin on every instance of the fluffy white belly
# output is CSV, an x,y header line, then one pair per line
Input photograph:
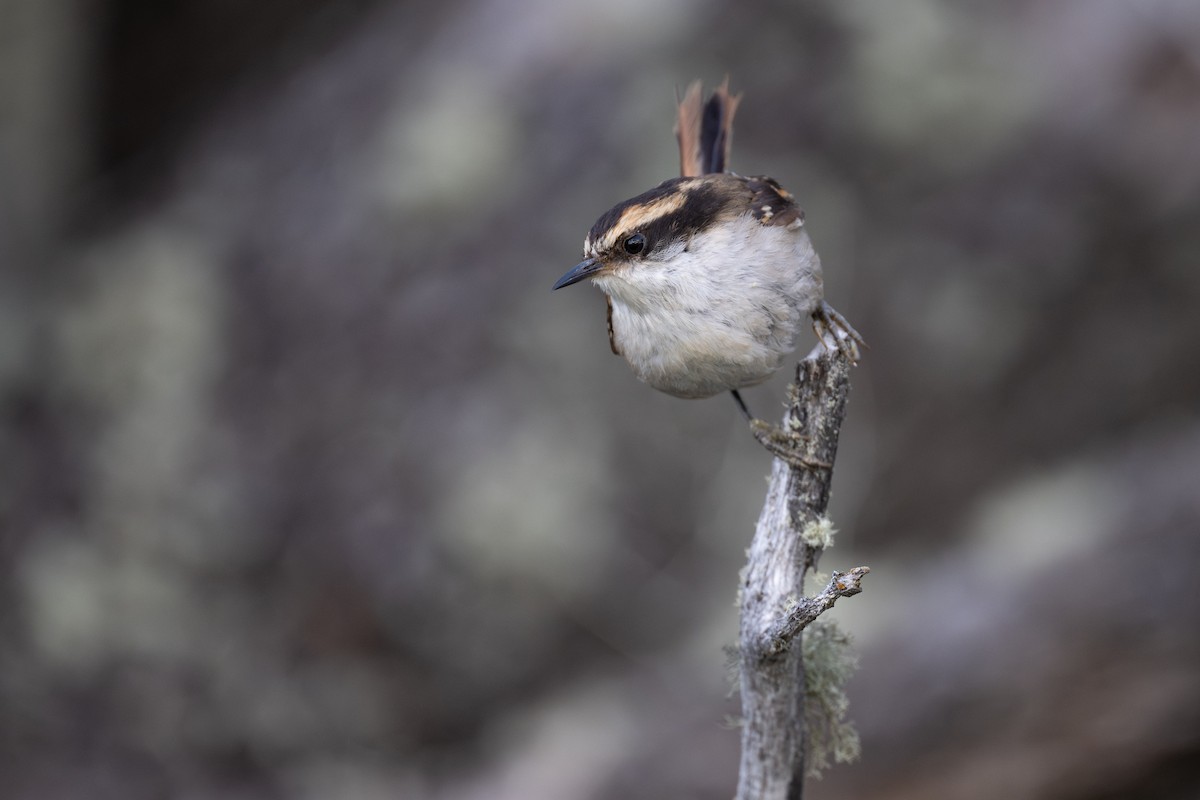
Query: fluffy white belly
x,y
702,353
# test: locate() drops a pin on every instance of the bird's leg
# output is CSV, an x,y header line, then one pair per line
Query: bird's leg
x,y
737,397
827,321
784,444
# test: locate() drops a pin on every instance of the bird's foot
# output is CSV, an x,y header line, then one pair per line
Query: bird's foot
x,y
829,325
785,445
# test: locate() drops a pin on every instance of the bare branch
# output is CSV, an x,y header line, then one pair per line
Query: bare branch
x,y
805,611
792,532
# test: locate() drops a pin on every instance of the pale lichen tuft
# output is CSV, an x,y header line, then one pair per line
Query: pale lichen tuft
x,y
828,664
818,533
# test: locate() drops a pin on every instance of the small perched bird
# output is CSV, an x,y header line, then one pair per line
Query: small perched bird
x,y
710,277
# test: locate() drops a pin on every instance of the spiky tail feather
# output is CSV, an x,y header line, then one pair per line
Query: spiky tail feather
x,y
705,130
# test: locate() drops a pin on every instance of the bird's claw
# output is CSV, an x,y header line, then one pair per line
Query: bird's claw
x,y
826,321
785,445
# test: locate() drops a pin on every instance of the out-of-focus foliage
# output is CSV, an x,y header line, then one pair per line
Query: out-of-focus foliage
x,y
311,488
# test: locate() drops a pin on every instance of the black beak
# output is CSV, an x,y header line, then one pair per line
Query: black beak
x,y
578,272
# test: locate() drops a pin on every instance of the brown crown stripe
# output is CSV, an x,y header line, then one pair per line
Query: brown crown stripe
x,y
681,206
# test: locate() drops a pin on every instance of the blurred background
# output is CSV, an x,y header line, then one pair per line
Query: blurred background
x,y
311,488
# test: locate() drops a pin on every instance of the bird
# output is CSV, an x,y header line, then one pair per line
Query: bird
x,y
710,277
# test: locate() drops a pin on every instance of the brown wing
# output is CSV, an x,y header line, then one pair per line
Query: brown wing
x,y
612,340
773,204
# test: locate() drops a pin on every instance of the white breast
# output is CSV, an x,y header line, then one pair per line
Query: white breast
x,y
719,312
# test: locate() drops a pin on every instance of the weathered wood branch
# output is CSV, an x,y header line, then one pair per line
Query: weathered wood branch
x,y
779,637
792,531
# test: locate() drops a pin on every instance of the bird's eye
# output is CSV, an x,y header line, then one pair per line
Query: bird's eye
x,y
635,244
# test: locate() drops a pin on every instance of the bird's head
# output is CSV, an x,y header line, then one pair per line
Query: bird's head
x,y
648,232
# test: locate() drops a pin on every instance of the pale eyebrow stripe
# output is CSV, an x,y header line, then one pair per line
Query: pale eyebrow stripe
x,y
639,216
